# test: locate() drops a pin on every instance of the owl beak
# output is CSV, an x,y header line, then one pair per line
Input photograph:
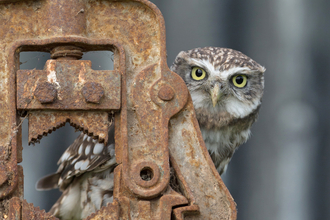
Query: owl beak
x,y
215,94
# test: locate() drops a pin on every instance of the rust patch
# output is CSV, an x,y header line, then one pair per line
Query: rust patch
x,y
199,173
94,124
30,212
14,212
78,87
109,212
3,174
181,212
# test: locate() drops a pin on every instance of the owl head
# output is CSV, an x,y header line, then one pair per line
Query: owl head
x,y
221,80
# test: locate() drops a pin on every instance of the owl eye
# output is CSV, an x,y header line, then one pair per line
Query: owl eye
x,y
198,73
239,81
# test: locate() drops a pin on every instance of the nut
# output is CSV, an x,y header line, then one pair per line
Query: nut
x,y
92,92
45,92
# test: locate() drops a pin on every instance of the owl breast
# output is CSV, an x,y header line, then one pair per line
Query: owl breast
x,y
222,143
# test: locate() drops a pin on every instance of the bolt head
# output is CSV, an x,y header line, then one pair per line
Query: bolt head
x,y
92,92
45,92
166,93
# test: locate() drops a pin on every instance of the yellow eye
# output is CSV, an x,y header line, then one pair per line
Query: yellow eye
x,y
198,73
239,81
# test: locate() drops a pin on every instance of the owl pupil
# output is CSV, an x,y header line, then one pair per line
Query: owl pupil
x,y
239,80
199,72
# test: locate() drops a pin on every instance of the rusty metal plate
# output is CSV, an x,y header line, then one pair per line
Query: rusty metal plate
x,y
22,210
156,208
187,148
41,123
154,120
152,113
68,85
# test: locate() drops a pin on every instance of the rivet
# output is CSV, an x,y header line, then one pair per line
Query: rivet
x,y
166,93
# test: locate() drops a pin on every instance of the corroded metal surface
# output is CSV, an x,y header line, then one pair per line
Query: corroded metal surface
x,y
93,92
68,85
110,212
45,92
154,117
190,154
156,208
94,124
30,212
166,93
14,212
66,52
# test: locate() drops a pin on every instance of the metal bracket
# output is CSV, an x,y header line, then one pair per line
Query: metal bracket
x,y
155,121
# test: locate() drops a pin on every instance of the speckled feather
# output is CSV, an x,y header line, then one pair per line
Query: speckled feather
x,y
221,58
85,175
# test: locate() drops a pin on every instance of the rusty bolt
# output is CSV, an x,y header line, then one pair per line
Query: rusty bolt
x,y
45,92
166,93
92,92
66,53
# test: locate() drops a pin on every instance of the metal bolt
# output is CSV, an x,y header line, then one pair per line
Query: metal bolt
x,y
166,93
66,53
92,92
45,92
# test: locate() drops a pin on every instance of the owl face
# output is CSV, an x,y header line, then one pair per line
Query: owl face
x,y
221,80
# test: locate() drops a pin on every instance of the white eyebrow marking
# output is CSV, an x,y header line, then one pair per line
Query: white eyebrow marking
x,y
224,75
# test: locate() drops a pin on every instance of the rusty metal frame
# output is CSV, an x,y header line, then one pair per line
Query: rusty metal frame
x,y
155,120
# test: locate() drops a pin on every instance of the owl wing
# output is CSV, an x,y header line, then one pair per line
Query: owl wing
x,y
84,155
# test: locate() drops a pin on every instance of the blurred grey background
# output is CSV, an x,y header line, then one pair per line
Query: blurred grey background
x,y
283,172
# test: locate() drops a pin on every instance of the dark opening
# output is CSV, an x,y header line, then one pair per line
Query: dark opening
x,y
101,60
147,174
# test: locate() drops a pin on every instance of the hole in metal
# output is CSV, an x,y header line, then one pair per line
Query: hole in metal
x,y
41,160
33,60
101,60
146,174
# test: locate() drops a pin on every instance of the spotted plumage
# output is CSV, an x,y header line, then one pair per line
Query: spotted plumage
x,y
225,111
85,175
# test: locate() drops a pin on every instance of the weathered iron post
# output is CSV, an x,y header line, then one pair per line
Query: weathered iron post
x,y
154,116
